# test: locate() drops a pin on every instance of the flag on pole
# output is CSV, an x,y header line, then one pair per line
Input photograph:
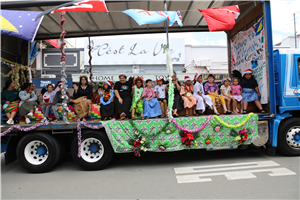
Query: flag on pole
x,y
78,6
222,18
54,42
153,17
20,24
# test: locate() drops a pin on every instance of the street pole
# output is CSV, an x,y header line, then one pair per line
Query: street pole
x,y
295,31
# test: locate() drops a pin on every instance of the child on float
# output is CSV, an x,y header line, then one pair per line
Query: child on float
x,y
151,104
189,101
250,91
160,93
236,91
203,101
226,91
47,102
58,100
106,101
211,89
137,98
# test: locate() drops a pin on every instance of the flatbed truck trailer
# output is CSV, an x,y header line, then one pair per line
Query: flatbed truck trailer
x,y
93,143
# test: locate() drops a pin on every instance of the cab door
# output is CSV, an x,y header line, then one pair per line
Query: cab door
x,y
297,67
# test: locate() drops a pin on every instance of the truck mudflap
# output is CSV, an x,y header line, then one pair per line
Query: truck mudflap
x,y
263,134
203,132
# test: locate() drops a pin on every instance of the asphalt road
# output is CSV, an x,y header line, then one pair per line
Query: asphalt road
x,y
223,175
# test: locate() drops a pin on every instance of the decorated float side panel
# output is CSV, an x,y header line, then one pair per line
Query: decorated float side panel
x,y
184,133
248,52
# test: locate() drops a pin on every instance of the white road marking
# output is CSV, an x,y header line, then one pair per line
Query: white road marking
x,y
218,170
213,168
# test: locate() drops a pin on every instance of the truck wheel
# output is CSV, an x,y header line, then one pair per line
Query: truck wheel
x,y
38,152
289,137
96,150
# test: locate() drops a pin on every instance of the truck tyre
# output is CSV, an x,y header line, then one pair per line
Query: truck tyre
x,y
289,137
38,152
96,150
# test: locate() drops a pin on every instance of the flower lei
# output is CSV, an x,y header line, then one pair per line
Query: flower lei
x,y
109,100
194,130
171,85
233,126
163,129
137,96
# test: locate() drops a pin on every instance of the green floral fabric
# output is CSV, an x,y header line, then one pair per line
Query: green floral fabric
x,y
120,132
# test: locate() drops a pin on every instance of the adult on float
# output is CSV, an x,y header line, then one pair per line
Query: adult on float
x,y
10,101
83,95
187,95
123,93
107,101
28,102
178,102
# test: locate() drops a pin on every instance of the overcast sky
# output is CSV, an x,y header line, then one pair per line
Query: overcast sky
x,y
282,24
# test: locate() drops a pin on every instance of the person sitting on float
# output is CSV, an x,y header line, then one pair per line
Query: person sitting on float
x,y
47,101
203,101
10,101
123,93
57,102
83,95
160,93
28,102
151,105
107,101
137,102
178,102
187,95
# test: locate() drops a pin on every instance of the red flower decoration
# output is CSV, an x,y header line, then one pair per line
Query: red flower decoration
x,y
137,143
188,143
207,142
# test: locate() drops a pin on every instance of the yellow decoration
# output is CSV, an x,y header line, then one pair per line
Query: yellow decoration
x,y
232,126
7,26
237,138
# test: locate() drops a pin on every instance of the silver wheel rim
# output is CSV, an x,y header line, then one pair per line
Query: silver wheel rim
x,y
36,152
293,137
92,150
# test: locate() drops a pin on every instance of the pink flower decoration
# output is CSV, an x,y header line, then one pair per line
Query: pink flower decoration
x,y
217,128
162,148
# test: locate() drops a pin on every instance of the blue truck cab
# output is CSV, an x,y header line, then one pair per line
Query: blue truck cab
x,y
285,128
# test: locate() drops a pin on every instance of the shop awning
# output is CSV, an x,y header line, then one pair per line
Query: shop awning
x,y
83,24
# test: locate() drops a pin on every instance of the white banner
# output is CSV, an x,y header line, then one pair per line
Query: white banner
x,y
248,52
133,51
153,77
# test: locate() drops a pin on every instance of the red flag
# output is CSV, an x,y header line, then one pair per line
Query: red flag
x,y
54,42
87,5
222,18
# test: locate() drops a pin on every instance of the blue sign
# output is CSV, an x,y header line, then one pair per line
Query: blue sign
x,y
43,82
